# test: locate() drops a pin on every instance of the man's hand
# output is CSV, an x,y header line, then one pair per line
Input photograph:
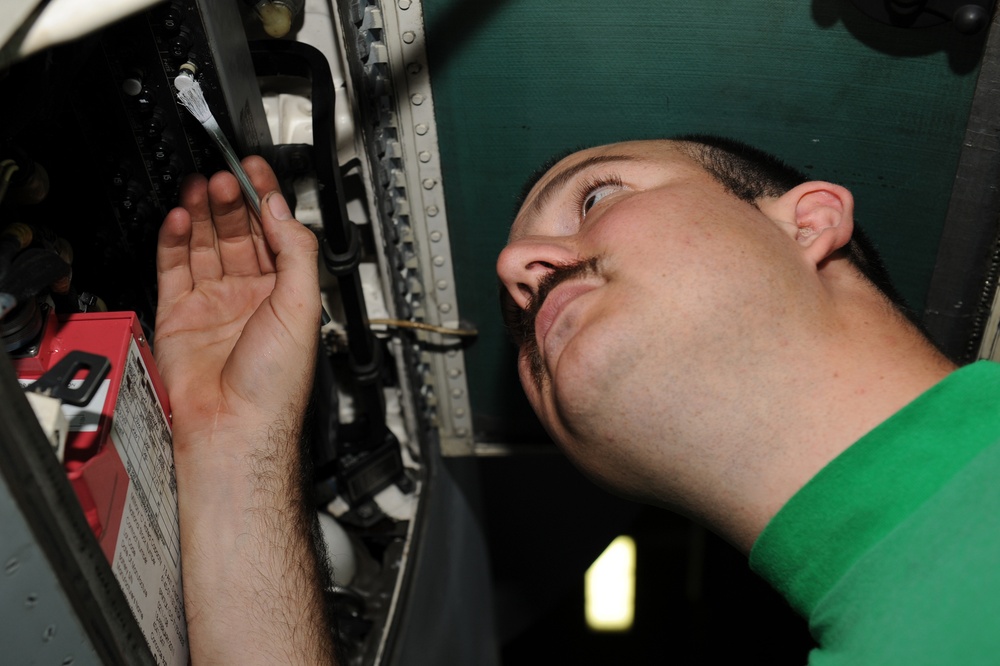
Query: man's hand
x,y
237,326
238,314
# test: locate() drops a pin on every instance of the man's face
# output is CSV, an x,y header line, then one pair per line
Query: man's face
x,y
641,279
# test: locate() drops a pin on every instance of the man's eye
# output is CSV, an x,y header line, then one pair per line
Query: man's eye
x,y
593,191
596,196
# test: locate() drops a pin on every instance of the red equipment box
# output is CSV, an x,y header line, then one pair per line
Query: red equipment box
x,y
119,459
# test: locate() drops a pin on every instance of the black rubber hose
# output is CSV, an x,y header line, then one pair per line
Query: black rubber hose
x,y
342,250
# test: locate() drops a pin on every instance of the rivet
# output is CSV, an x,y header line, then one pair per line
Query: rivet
x,y
433,210
12,565
428,183
435,235
409,36
421,129
417,99
49,633
424,156
439,261
414,68
454,373
451,353
461,432
459,412
404,4
31,601
457,393
442,284
445,307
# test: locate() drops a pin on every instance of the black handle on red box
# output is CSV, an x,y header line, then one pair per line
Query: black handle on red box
x,y
56,382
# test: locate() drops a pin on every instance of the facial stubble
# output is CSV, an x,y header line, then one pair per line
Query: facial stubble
x,y
524,330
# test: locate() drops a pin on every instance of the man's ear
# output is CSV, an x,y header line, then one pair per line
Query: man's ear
x,y
817,214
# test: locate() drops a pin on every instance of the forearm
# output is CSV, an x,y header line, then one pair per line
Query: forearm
x,y
252,581
236,335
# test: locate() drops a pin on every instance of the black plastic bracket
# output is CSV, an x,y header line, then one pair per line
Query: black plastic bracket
x,y
56,382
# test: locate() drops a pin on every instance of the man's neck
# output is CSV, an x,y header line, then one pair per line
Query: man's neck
x,y
853,381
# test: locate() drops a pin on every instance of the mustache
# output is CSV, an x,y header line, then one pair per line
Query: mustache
x,y
521,322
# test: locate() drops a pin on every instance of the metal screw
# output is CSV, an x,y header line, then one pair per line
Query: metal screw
x,y
421,129
31,601
454,373
445,307
436,235
49,633
424,156
432,211
439,261
414,68
428,183
442,284
417,99
409,36
457,393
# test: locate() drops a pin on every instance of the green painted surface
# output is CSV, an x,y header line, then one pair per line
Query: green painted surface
x,y
878,109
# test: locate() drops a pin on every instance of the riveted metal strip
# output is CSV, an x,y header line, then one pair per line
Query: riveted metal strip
x,y
385,46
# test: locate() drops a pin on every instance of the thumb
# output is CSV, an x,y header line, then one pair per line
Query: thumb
x,y
296,255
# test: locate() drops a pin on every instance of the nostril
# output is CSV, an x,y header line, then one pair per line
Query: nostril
x,y
541,264
525,290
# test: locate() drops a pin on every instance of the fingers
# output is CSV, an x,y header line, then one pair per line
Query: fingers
x,y
173,268
204,255
237,247
264,181
213,233
225,237
240,239
261,175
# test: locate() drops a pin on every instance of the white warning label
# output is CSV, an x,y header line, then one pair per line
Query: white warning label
x,y
147,555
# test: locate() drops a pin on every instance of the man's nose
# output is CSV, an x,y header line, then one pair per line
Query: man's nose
x,y
524,263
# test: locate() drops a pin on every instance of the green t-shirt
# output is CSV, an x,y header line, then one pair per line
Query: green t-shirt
x,y
892,551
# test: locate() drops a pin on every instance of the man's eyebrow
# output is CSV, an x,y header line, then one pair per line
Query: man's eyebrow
x,y
566,175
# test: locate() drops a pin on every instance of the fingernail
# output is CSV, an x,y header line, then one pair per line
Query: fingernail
x,y
279,209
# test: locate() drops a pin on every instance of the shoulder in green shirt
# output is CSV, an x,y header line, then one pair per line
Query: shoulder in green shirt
x,y
893,549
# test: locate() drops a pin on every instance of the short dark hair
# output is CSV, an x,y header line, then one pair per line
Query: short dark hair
x,y
751,174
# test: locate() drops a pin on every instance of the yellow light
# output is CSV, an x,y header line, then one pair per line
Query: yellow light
x,y
609,587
